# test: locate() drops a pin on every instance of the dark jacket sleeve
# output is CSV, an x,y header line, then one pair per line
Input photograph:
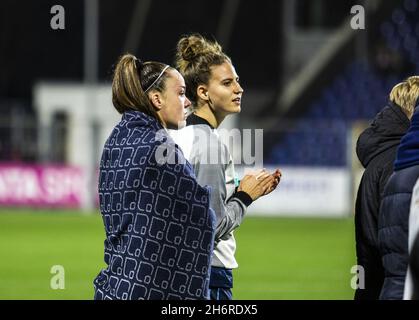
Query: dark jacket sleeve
x,y
366,227
392,237
367,211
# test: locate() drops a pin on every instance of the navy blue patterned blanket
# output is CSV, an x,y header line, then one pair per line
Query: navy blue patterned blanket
x,y
159,226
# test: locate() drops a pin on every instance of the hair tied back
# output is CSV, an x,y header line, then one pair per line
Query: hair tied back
x,y
137,63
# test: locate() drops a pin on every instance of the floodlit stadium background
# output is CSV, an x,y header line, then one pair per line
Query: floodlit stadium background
x,y
312,82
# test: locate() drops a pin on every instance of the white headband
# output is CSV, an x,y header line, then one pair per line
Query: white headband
x,y
154,82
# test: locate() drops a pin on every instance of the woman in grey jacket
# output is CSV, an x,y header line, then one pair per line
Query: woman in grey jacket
x,y
213,87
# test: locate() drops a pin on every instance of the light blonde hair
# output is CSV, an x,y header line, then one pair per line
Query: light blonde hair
x,y
405,94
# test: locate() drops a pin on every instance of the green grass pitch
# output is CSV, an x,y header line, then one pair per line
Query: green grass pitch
x,y
279,258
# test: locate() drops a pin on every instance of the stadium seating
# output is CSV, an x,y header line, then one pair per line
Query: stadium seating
x,y
320,136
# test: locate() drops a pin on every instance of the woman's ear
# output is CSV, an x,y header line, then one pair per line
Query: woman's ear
x,y
156,99
202,92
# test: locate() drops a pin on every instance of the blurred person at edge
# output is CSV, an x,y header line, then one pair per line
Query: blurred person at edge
x,y
393,221
411,287
215,92
376,150
158,222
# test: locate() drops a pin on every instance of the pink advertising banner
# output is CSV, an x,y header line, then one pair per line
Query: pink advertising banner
x,y
41,186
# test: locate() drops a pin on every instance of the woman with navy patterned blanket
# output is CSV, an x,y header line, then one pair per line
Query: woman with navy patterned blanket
x,y
158,222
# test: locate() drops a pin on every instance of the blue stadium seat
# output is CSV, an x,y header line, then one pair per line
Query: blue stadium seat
x,y
358,92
